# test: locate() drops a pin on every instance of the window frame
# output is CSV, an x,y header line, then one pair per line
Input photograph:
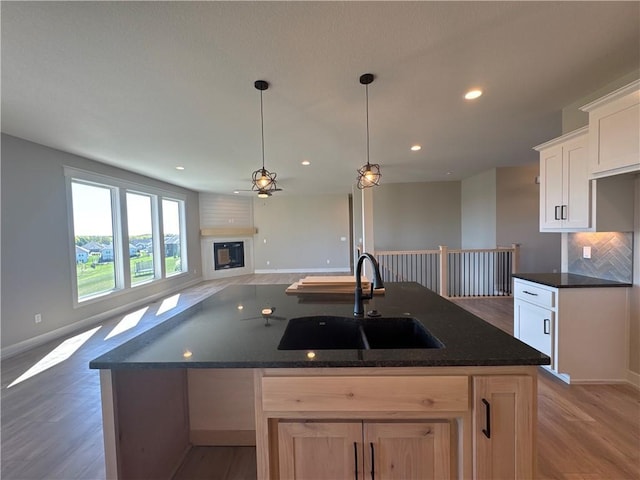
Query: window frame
x,y
122,269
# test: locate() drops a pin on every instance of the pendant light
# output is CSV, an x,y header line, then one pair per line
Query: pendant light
x,y
264,182
368,175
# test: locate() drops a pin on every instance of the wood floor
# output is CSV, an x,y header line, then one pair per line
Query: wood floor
x,y
51,422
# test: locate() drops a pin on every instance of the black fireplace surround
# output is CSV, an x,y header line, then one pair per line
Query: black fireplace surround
x,y
228,255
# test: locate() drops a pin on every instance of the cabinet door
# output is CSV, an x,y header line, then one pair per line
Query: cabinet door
x,y
551,191
407,451
615,136
320,450
534,326
575,208
504,427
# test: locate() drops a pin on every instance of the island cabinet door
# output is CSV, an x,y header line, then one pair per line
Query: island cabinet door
x,y
503,427
407,451
320,450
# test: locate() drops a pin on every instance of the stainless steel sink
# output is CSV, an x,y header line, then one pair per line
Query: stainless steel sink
x,y
324,332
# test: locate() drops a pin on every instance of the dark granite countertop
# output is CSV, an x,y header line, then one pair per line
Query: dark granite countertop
x,y
227,331
569,280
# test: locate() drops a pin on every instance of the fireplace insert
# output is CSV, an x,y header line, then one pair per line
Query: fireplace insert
x,y
228,255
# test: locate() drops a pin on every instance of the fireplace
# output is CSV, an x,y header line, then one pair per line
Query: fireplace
x,y
228,255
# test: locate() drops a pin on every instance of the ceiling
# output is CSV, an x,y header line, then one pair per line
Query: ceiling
x,y
148,86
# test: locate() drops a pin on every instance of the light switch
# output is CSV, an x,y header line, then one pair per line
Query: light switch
x,y
586,252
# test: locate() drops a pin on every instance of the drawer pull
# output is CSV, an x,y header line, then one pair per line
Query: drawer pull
x,y
487,431
546,326
355,453
373,463
530,293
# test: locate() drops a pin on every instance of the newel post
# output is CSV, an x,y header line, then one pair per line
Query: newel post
x,y
515,264
444,281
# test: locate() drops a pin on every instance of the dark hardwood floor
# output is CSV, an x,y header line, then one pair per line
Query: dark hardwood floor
x,y
51,421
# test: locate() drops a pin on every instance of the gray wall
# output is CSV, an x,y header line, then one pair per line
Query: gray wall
x,y
479,210
517,213
36,268
416,216
302,233
501,207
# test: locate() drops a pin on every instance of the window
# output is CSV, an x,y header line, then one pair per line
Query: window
x,y
111,255
141,239
93,231
171,222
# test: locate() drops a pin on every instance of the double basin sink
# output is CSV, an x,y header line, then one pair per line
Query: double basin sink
x,y
326,332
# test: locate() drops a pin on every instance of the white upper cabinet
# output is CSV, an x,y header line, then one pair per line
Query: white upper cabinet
x,y
564,183
614,132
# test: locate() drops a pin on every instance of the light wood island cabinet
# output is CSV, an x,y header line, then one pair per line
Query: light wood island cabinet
x,y
396,423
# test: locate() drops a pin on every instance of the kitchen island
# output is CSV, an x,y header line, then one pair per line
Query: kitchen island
x,y
214,375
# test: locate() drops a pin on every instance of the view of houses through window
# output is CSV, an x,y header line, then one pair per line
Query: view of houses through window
x,y
98,237
172,238
139,221
93,231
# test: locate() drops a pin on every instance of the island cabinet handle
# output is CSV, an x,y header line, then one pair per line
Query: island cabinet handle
x,y
546,326
530,293
373,462
487,431
355,454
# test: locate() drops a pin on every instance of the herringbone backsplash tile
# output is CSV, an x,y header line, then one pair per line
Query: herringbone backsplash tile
x,y
611,255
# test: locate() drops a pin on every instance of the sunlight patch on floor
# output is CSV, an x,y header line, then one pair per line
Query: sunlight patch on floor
x,y
128,322
168,303
57,355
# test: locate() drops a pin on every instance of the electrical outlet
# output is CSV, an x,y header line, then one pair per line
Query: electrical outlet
x,y
38,318
586,252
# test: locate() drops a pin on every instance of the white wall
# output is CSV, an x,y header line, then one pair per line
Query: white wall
x,y
308,233
36,264
416,216
517,213
479,210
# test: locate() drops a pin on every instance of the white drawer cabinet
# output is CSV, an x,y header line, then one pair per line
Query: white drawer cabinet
x,y
583,330
534,326
614,132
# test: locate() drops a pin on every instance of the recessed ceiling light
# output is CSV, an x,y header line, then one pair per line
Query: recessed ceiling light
x,y
179,168
305,162
236,191
472,94
415,148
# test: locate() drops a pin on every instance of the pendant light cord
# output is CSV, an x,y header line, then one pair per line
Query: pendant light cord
x,y
367,97
262,128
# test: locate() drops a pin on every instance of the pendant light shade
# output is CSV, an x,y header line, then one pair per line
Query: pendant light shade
x,y
369,174
263,181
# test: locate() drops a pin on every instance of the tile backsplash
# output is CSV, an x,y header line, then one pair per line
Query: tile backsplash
x,y
611,255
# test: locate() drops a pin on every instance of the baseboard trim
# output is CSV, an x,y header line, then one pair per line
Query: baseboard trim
x,y
306,270
20,347
235,438
633,379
